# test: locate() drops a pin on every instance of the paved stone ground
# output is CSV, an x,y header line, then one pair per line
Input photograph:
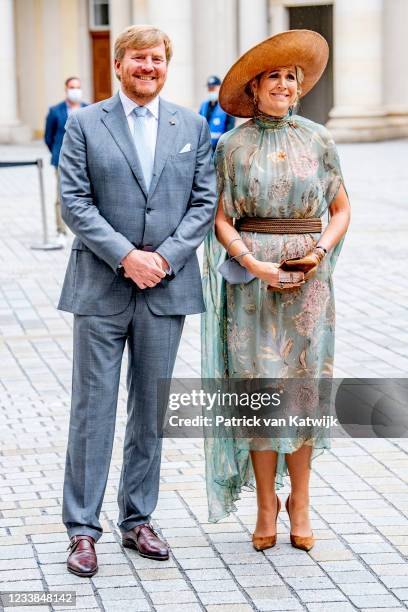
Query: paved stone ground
x,y
359,488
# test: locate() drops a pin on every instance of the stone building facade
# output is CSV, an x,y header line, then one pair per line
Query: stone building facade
x,y
363,94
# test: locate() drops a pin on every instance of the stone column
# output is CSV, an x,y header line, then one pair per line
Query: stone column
x,y
278,17
84,51
11,129
175,18
140,11
253,23
215,42
358,113
120,12
396,66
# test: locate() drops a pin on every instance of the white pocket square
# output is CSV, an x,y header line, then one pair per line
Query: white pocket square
x,y
186,148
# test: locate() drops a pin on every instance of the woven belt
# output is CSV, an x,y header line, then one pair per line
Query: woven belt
x,y
263,225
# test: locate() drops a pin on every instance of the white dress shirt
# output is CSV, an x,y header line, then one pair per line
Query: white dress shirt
x,y
151,118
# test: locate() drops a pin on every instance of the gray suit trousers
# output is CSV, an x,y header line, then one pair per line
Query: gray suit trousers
x,y
99,342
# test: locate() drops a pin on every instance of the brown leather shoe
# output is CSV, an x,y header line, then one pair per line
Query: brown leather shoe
x,y
82,559
146,541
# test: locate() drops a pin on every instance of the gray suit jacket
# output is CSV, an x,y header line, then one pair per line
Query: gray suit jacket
x,y
106,205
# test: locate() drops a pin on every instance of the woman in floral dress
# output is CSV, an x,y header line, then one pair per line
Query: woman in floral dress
x,y
276,166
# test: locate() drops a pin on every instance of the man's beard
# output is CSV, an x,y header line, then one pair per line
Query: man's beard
x,y
129,84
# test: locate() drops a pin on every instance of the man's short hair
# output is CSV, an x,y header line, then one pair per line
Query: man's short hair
x,y
72,78
141,37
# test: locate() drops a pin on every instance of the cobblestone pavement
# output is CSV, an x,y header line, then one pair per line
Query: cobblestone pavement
x,y
359,489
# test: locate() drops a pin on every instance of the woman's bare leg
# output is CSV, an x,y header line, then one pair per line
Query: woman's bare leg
x,y
264,463
299,472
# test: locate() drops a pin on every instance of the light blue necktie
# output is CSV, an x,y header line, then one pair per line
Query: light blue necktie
x,y
140,137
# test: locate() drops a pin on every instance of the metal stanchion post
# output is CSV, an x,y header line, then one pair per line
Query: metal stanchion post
x,y
46,244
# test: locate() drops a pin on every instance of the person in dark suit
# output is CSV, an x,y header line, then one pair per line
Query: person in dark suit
x,y
54,134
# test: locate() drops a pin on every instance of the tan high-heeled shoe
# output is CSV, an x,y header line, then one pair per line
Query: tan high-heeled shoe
x,y
303,542
264,542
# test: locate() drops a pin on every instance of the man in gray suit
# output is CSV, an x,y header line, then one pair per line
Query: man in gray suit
x,y
138,192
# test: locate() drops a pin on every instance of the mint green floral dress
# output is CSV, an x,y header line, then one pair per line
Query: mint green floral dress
x,y
286,168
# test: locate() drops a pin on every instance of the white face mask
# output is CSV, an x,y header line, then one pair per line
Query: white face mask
x,y
74,94
213,96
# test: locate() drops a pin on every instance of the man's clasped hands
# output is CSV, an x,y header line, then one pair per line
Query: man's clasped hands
x,y
145,268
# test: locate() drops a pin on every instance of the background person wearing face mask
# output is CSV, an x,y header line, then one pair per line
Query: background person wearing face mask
x,y
54,134
218,120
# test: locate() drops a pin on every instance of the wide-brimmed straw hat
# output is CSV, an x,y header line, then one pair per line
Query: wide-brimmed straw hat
x,y
303,48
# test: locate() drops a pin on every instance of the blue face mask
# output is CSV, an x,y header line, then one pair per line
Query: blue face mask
x,y
213,96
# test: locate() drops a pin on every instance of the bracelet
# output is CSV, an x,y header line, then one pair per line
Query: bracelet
x,y
242,254
230,242
319,246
